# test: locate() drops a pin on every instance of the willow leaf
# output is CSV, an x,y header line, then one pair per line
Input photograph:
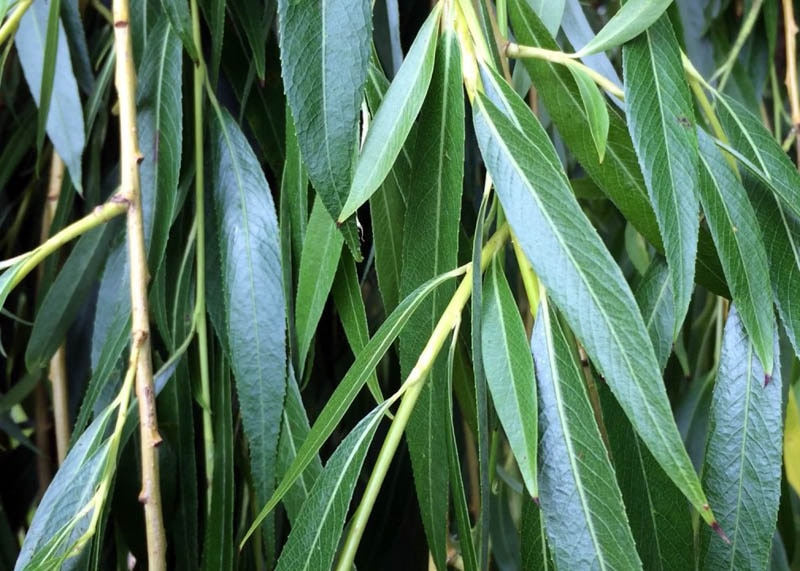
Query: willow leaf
x,y
659,109
179,18
322,248
619,175
634,17
744,452
583,279
395,117
347,390
324,79
253,296
581,503
65,116
735,229
509,372
654,297
430,247
596,110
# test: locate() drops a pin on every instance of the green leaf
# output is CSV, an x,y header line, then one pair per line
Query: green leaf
x,y
218,546
659,109
214,11
659,517
654,297
395,117
744,453
65,117
159,123
735,229
65,296
315,535
634,17
596,110
324,78
535,555
254,305
177,12
749,136
347,390
321,251
581,504
59,521
350,305
294,433
509,372
550,12
619,175
582,278
430,247
48,69
388,205
255,19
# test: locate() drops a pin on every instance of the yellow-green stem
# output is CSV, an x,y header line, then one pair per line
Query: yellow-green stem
x,y
200,252
790,33
413,385
130,157
517,51
10,25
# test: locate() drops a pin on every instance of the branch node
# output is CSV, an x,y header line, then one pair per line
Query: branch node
x,y
121,24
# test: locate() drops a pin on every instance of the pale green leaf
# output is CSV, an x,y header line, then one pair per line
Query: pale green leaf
x,y
582,278
322,248
430,247
744,454
253,295
581,503
632,19
65,116
395,117
735,229
596,110
660,114
550,12
509,372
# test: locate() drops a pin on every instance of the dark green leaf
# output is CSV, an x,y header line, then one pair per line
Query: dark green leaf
x,y
49,58
509,372
743,458
581,503
321,251
315,536
430,247
177,12
65,117
214,11
324,79
533,539
733,225
659,109
654,297
254,304
255,19
395,117
582,278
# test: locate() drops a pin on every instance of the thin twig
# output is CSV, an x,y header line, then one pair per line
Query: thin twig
x,y
9,27
790,31
130,157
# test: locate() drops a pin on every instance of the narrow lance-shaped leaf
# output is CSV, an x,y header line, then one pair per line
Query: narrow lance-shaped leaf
x,y
348,389
65,117
324,77
632,19
596,110
253,296
659,109
395,117
315,535
509,373
388,205
619,175
654,297
581,503
321,251
179,18
660,520
583,279
735,229
430,247
550,11
743,457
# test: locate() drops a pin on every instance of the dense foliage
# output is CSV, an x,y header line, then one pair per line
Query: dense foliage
x,y
298,284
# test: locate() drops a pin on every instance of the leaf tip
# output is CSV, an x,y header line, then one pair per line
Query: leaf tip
x,y
536,501
718,530
767,379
